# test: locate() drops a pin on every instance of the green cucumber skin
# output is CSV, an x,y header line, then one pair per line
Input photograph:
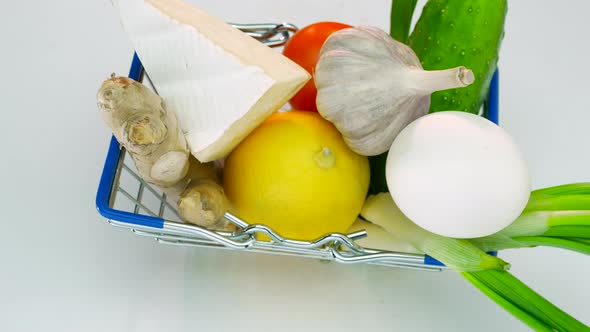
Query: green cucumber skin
x,y
378,183
452,33
444,30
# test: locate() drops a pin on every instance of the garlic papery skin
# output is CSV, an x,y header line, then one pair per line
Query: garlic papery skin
x,y
371,86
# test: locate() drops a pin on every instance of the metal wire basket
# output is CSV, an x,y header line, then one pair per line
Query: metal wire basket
x,y
127,201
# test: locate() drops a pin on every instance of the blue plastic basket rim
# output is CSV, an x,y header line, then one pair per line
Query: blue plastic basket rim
x,y
105,186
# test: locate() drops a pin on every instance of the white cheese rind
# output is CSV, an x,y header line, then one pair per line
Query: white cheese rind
x,y
220,82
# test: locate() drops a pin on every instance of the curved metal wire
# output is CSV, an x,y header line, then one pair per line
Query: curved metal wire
x,y
270,34
347,240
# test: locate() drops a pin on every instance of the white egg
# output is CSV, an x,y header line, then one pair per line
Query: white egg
x,y
457,174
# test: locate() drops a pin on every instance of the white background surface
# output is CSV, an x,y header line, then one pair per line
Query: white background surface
x,y
65,269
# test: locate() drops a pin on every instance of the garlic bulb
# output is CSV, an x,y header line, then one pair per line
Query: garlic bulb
x,y
371,86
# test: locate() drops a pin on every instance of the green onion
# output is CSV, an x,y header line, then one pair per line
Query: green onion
x,y
569,231
574,196
401,19
485,272
459,255
523,302
555,217
497,242
581,240
580,188
552,203
582,247
534,226
524,316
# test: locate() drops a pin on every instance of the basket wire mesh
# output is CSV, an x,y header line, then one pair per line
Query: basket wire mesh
x,y
127,201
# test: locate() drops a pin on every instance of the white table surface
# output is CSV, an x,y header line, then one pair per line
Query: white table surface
x,y
65,269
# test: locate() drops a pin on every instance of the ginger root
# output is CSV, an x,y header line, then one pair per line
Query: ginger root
x,y
202,200
140,123
151,135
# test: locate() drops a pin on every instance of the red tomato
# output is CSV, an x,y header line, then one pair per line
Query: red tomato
x,y
304,49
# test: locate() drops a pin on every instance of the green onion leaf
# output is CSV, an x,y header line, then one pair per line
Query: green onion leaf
x,y
579,239
486,272
563,224
459,255
553,203
582,247
497,242
401,19
524,303
525,317
569,231
582,188
568,218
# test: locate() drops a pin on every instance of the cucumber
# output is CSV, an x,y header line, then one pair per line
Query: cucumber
x,y
451,33
378,182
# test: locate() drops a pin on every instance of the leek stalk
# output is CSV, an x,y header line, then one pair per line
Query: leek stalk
x,y
556,217
485,272
401,19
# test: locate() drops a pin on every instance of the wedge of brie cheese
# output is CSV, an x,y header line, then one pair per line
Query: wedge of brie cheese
x,y
220,82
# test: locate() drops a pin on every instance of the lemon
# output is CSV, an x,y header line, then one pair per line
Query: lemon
x,y
295,174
